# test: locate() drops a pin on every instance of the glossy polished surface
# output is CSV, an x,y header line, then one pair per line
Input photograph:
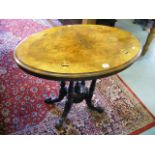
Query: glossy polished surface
x,y
78,51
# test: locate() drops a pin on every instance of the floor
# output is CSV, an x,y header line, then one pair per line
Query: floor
x,y
140,76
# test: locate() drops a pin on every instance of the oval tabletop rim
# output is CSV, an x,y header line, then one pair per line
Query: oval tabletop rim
x,y
75,76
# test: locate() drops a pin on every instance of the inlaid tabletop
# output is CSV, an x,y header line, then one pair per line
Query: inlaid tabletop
x,y
78,51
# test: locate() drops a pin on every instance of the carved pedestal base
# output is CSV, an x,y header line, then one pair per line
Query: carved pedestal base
x,y
75,93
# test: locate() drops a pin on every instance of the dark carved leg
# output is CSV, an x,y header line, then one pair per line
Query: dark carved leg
x,y
89,98
62,94
68,106
77,87
76,93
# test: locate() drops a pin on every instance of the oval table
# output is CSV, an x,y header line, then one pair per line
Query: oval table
x,y
77,53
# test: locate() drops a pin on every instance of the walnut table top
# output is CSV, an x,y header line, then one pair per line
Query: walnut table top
x,y
78,52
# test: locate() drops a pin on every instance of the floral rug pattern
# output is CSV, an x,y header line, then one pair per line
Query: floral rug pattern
x,y
123,114
22,107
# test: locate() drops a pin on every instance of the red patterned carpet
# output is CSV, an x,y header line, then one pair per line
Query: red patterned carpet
x,y
22,107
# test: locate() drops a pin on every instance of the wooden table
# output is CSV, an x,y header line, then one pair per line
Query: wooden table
x,y
75,54
149,39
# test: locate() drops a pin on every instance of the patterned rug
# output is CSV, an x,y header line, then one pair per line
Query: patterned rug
x,y
22,107
123,114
